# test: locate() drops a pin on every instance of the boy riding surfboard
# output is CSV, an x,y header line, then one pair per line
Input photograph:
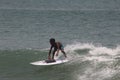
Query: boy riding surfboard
x,y
57,46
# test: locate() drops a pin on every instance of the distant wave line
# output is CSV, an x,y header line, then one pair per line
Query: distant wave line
x,y
44,9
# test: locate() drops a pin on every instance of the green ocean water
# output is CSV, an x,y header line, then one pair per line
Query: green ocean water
x,y
88,29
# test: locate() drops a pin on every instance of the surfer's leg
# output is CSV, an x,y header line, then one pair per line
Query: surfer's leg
x,y
64,53
62,50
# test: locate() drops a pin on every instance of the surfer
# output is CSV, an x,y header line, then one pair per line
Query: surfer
x,y
57,47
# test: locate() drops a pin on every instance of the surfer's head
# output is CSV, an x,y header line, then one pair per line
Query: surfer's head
x,y
52,41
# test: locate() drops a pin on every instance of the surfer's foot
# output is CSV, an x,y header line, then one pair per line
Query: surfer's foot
x,y
52,59
65,56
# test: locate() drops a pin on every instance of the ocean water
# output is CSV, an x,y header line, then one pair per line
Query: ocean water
x,y
88,29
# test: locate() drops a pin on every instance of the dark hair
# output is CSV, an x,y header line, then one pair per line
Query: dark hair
x,y
52,40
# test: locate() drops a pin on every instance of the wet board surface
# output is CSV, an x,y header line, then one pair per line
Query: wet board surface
x,y
48,62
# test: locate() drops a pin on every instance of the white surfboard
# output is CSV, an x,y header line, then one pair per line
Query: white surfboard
x,y
43,62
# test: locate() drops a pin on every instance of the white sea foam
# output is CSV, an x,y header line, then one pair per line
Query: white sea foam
x,y
93,50
101,58
91,74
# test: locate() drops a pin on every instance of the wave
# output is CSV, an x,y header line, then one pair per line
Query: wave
x,y
68,10
102,61
84,51
87,62
91,49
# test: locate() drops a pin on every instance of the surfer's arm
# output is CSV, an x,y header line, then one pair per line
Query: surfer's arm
x,y
49,57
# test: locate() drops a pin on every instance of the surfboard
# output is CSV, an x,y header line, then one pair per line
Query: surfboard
x,y
48,62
